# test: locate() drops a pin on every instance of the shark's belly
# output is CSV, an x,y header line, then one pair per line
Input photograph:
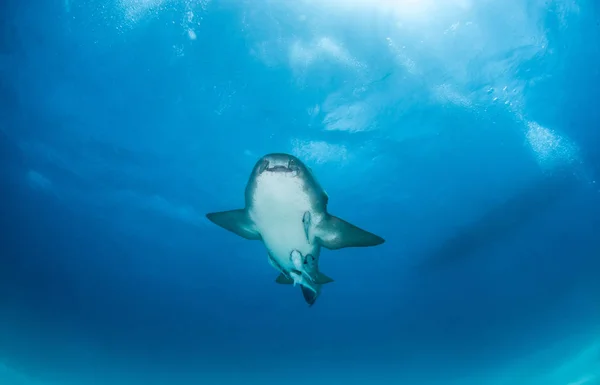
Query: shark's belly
x,y
282,232
277,210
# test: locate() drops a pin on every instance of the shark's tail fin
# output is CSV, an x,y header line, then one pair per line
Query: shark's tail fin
x,y
310,295
310,289
312,292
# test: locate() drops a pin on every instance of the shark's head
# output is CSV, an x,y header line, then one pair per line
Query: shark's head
x,y
280,163
280,169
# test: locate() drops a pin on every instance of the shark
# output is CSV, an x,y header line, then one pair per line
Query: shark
x,y
286,209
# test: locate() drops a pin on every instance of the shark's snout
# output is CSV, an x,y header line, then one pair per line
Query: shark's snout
x,y
278,163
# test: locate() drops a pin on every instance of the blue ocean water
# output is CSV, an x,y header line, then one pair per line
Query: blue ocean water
x,y
463,132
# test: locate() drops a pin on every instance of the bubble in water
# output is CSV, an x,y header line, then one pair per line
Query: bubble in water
x,y
551,149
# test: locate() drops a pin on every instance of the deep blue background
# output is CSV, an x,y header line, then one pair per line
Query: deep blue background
x,y
464,132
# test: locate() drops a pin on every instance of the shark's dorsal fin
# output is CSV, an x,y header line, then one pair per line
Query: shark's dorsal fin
x,y
282,279
335,233
236,221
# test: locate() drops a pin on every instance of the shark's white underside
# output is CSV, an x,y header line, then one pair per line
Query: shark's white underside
x,y
277,210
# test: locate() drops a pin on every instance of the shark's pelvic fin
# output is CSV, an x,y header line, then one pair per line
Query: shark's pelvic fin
x,y
319,279
306,222
322,279
335,233
236,221
283,279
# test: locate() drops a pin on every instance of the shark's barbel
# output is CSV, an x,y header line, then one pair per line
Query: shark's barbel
x,y
286,208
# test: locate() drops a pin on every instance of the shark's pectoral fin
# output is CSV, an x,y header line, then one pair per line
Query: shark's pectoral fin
x,y
310,296
283,279
322,279
236,221
335,233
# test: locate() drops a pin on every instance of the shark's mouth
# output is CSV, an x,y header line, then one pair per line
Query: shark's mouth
x,y
289,167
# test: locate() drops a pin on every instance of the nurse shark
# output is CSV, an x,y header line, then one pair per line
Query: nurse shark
x,y
286,209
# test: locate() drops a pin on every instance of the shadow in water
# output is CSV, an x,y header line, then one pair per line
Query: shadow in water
x,y
8,29
497,223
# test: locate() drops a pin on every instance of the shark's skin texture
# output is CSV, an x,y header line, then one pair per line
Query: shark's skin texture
x,y
286,209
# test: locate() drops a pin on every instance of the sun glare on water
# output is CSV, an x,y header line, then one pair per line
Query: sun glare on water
x,y
406,10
